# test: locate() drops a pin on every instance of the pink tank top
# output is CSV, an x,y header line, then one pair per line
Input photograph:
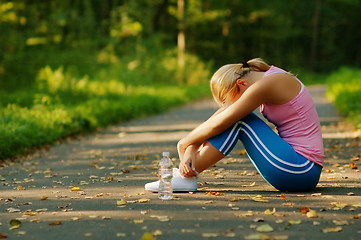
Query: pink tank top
x,y
297,122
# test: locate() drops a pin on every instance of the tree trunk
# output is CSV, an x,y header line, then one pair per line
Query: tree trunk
x,y
181,41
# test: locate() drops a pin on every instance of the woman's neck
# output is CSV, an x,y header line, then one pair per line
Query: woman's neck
x,y
254,76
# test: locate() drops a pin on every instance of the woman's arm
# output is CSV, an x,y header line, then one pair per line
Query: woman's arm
x,y
252,98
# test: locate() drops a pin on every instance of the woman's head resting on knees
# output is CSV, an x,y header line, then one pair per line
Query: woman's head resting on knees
x,y
224,81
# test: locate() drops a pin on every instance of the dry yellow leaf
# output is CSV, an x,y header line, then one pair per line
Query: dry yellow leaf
x,y
30,213
143,200
209,235
147,236
259,198
338,205
43,198
55,223
163,218
75,189
328,230
138,221
234,199
340,222
269,212
245,214
264,228
312,214
121,202
294,222
157,232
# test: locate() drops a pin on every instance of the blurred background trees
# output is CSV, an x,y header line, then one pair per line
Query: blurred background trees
x,y
310,35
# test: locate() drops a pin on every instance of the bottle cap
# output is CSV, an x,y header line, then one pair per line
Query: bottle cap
x,y
166,154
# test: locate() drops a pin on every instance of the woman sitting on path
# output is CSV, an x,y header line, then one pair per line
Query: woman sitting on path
x,y
291,160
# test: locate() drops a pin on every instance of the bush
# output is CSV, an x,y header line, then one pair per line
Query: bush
x,y
344,89
61,101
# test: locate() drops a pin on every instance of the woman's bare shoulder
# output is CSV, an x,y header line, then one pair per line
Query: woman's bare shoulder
x,y
281,87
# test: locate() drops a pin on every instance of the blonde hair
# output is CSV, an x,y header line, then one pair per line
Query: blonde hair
x,y
223,82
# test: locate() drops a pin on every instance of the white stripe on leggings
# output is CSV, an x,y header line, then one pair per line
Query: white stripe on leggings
x,y
235,128
275,157
279,167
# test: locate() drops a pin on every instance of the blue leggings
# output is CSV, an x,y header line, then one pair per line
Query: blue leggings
x,y
277,162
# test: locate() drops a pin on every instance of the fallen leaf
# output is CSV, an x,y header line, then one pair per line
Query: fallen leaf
x,y
358,216
264,228
294,222
353,166
88,234
242,152
340,222
338,205
75,189
143,200
35,220
14,224
214,193
288,204
246,214
157,232
13,210
55,223
259,198
312,214
43,198
138,221
147,236
304,210
163,218
283,196
20,187
121,202
29,213
234,199
210,235
3,236
269,212
328,230
121,234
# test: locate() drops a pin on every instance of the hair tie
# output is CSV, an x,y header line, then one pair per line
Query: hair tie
x,y
245,64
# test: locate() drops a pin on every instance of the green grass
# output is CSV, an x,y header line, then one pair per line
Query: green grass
x,y
344,89
62,100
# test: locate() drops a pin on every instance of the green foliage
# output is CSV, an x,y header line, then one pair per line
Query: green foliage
x,y
344,89
62,101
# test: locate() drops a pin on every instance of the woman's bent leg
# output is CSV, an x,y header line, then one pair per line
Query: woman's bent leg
x,y
275,159
278,163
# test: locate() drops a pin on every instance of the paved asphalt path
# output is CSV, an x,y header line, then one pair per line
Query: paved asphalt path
x,y
92,187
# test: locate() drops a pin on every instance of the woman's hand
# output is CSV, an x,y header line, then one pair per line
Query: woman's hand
x,y
187,163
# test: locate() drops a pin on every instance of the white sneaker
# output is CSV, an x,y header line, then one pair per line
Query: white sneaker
x,y
179,183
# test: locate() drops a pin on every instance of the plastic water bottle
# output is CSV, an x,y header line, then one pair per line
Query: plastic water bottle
x,y
165,191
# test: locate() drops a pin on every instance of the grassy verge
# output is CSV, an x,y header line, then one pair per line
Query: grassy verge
x,y
344,89
61,101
